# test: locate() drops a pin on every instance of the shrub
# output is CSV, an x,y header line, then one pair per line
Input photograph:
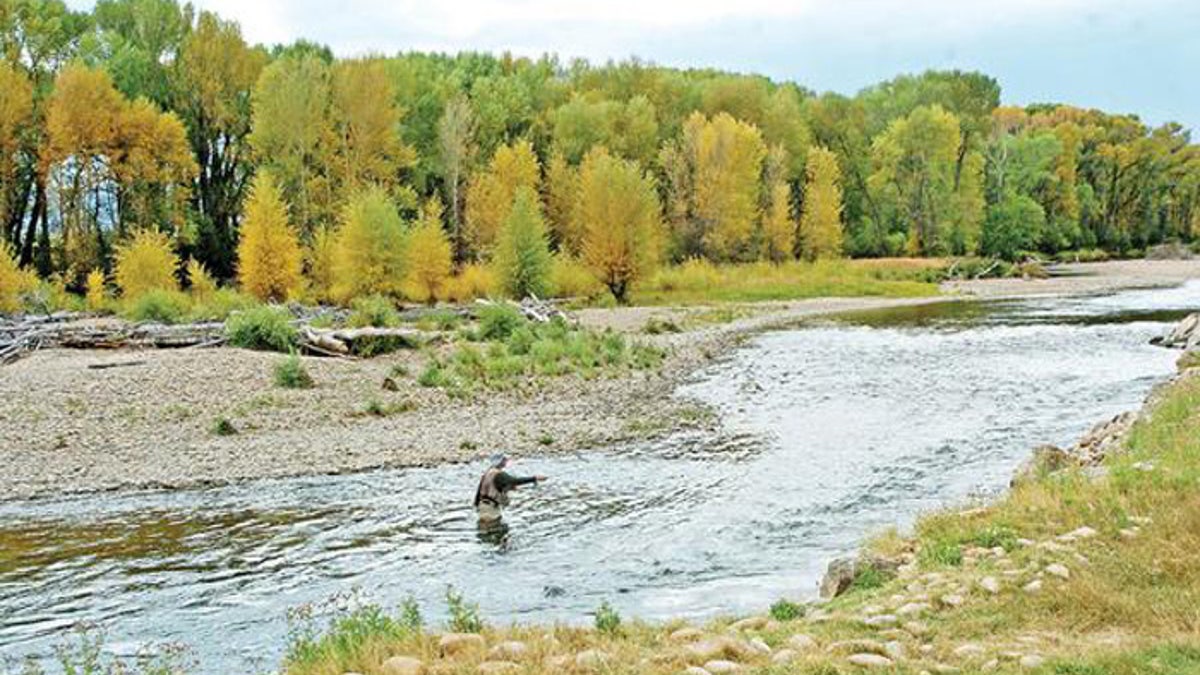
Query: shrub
x,y
369,254
201,282
221,304
786,610
14,282
523,251
434,375
146,263
269,255
497,322
290,373
264,328
159,305
570,278
607,621
464,616
373,311
472,282
95,293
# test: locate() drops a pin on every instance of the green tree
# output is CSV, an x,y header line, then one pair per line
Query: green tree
x,y
370,255
523,251
1013,226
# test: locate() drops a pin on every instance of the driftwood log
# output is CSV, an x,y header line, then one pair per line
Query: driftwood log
x,y
20,339
535,309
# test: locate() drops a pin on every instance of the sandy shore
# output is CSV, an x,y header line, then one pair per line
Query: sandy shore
x,y
67,428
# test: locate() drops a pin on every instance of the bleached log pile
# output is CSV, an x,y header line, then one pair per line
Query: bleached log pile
x,y
18,338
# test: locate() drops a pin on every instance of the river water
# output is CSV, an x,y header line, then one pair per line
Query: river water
x,y
832,430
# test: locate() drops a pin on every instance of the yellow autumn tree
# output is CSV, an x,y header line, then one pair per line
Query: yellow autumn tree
x,y
147,262
202,283
95,294
269,254
561,189
366,121
430,258
778,226
724,158
491,193
14,281
320,264
16,115
821,219
369,256
617,211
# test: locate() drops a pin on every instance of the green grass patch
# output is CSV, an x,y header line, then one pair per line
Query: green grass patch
x,y
290,373
263,328
158,306
374,311
698,282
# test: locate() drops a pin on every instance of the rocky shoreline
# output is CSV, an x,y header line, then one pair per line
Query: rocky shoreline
x,y
71,422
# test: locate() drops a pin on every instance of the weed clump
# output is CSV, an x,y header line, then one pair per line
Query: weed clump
x,y
608,621
290,373
263,328
464,616
158,306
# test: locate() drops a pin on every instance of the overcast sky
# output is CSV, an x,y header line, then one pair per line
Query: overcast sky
x,y
1138,56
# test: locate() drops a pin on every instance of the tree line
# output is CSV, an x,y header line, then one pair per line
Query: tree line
x,y
299,173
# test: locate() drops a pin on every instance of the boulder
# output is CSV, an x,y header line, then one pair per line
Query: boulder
x,y
859,646
403,665
749,623
452,644
1185,335
696,670
1034,586
913,609
1031,661
591,659
784,657
1059,570
990,584
841,572
511,650
722,647
719,667
497,668
802,642
968,651
870,661
881,621
686,635
1045,460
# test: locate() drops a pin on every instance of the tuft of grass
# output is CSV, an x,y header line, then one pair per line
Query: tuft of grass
x,y
158,306
373,311
656,326
263,328
786,610
223,427
498,321
464,617
290,373
607,619
376,408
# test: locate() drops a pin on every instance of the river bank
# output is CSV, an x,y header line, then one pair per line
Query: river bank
x,y
69,427
1073,571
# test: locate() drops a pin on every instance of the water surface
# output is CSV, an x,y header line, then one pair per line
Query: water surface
x,y
831,431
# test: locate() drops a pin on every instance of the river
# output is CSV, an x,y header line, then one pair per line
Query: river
x,y
831,431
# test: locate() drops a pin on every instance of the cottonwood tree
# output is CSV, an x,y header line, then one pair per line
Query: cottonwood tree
x,y
456,151
821,216
370,253
492,192
618,213
214,79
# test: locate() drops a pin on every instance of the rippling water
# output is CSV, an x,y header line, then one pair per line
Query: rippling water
x,y
832,431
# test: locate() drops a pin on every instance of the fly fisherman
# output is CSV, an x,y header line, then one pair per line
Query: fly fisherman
x,y
492,495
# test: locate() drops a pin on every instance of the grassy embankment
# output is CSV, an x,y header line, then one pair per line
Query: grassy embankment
x,y
700,282
1130,602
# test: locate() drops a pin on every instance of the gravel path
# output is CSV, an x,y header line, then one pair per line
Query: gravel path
x,y
66,428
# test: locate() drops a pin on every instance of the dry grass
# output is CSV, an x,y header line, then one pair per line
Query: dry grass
x,y
1130,606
